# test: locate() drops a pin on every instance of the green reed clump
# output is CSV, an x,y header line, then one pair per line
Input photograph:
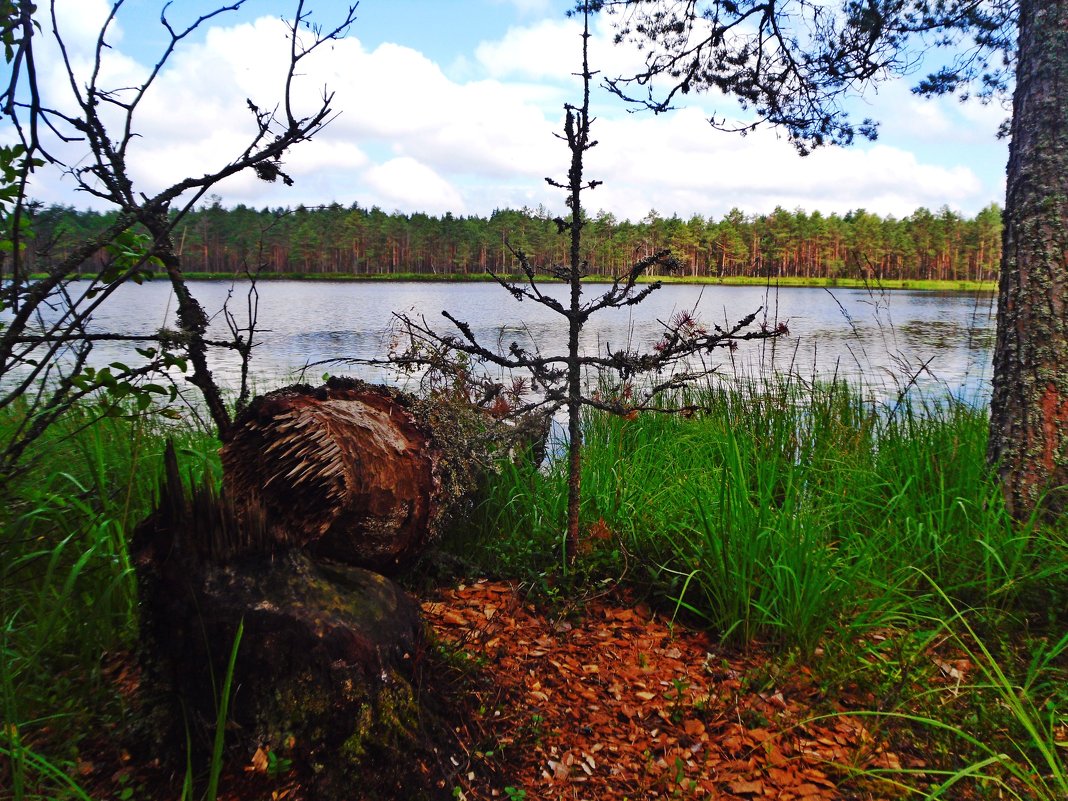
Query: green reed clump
x,y
814,517
784,510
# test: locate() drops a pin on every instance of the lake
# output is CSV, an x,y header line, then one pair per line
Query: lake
x,y
880,338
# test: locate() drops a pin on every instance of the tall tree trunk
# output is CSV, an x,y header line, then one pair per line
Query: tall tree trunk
x,y
1029,409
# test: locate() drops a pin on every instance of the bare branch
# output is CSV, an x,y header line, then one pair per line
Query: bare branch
x,y
105,118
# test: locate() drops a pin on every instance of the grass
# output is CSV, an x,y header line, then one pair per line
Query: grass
x,y
809,517
221,719
862,539
844,283
789,513
1026,708
68,593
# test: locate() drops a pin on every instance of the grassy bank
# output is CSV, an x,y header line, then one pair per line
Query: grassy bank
x,y
844,283
848,538
790,515
869,548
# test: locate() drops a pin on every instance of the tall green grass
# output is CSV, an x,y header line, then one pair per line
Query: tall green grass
x,y
818,520
67,588
783,512
1002,719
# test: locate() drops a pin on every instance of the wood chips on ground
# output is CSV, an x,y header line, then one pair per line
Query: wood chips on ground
x,y
611,702
605,701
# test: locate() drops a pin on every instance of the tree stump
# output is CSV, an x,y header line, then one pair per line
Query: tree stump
x,y
326,668
319,485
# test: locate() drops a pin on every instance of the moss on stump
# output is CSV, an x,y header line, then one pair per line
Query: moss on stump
x,y
327,667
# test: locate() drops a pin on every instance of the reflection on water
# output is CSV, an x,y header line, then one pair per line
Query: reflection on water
x,y
883,339
947,335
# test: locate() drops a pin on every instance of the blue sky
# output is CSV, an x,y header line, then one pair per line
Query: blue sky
x,y
450,105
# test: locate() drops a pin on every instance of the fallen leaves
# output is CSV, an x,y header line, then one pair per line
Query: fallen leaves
x,y
616,704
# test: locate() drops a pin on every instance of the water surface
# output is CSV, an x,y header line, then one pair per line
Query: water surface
x,y
935,341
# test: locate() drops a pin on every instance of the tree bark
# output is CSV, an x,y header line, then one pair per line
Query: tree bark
x,y
192,322
1029,409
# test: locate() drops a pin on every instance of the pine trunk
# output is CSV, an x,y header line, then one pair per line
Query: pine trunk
x,y
1029,408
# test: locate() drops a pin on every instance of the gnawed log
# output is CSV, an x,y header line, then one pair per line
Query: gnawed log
x,y
349,470
358,472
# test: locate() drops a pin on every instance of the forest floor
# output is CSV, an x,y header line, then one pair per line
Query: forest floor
x,y
603,699
608,700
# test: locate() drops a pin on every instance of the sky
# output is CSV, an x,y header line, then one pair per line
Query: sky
x,y
451,106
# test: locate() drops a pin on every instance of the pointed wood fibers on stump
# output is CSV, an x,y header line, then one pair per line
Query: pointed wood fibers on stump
x,y
352,470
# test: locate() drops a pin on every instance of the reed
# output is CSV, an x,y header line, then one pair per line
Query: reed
x,y
785,512
857,535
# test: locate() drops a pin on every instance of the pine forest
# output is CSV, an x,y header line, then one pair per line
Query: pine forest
x,y
334,240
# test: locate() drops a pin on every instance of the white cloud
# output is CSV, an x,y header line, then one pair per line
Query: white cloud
x,y
678,164
323,174
528,8
411,137
543,51
985,117
908,116
483,127
549,51
79,23
406,183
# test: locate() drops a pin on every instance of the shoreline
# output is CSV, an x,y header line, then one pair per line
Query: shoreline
x,y
785,281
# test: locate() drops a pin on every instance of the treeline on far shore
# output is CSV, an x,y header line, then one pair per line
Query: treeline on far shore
x,y
337,240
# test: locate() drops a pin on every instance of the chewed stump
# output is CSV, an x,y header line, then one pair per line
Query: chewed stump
x,y
329,668
321,487
351,470
325,667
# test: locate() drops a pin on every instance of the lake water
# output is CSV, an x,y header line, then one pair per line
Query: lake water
x,y
880,338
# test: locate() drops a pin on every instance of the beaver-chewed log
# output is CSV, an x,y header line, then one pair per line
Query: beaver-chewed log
x,y
361,473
